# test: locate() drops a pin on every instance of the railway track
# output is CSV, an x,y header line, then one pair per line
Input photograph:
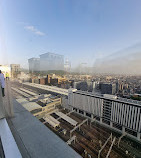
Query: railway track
x,y
89,136
96,132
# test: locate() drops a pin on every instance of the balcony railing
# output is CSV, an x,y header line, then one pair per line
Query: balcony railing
x,y
8,146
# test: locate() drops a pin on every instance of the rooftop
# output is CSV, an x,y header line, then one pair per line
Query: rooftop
x,y
51,54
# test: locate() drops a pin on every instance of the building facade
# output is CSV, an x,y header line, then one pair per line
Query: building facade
x,y
108,88
34,64
67,66
51,61
124,116
15,70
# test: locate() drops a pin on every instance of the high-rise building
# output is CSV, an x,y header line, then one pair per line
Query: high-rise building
x,y
67,66
51,61
15,70
34,64
108,88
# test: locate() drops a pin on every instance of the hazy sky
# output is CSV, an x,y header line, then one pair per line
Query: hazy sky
x,y
126,61
81,30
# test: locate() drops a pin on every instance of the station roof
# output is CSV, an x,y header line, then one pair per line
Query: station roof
x,y
48,88
31,106
51,120
22,100
67,118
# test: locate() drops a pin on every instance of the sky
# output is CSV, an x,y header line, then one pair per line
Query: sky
x,y
126,61
84,31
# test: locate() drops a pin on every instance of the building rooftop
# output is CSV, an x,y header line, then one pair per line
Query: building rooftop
x,y
31,106
34,59
51,54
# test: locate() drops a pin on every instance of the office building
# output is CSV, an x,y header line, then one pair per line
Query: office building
x,y
108,88
15,70
67,66
51,61
34,64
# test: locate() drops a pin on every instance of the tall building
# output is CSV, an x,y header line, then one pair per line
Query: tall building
x,y
34,64
67,66
15,70
51,61
108,88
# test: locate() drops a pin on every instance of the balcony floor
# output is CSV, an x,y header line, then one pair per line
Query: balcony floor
x,y
34,139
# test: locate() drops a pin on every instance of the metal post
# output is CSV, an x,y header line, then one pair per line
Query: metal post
x,y
123,129
121,138
93,120
111,147
111,136
78,126
138,136
84,113
100,120
87,122
111,124
104,145
100,143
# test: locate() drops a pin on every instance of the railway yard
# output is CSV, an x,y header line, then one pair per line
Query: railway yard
x,y
85,136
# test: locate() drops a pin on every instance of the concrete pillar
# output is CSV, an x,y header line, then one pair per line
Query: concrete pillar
x,y
138,136
123,129
77,110
100,120
111,124
84,113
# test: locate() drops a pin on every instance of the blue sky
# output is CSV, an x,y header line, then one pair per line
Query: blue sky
x,y
81,30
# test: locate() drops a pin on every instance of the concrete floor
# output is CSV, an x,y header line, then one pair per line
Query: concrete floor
x,y
34,139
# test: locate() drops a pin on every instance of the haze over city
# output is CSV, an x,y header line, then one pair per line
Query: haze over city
x,y
84,32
